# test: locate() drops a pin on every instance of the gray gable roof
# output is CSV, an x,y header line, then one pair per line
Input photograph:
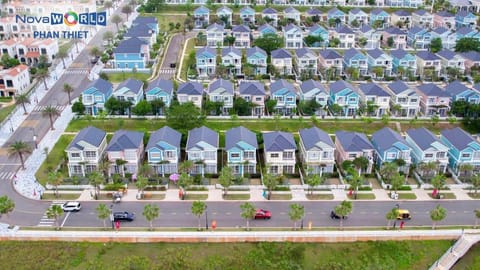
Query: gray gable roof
x,y
241,28
402,13
101,85
313,12
165,85
343,29
125,139
444,13
139,30
458,137
131,45
215,27
473,56
330,54
309,85
375,53
252,88
221,83
282,84
201,134
350,53
339,86
422,137
235,135
253,50
398,86
454,88
431,89
447,54
190,88
394,31
353,141
373,89
291,9
426,55
281,53
226,51
365,28
209,50
145,20
134,85
399,54
91,135
278,141
386,138
291,26
311,136
269,11
304,51
165,134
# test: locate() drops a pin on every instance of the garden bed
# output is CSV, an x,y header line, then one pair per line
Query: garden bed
x,y
61,196
238,197
281,196
443,195
407,196
319,196
362,196
195,197
474,195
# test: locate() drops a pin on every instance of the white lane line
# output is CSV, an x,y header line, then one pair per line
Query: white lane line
x,y
65,219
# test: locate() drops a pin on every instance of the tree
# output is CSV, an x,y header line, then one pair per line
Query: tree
x,y
62,54
343,209
355,182
361,163
43,74
312,41
103,213
157,106
391,215
22,99
116,19
9,62
54,212
184,117
6,205
242,107
313,180
436,45
184,180
141,184
20,148
142,108
270,106
186,166
387,171
55,179
95,52
437,214
198,208
475,181
477,217
96,179
269,42
151,212
107,5
428,169
390,42
51,112
270,182
248,213
297,211
465,170
108,36
225,178
127,10
467,45
67,88
438,182
397,182
78,108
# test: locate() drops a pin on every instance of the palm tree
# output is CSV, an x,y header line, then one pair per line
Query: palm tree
x,y
391,215
55,179
151,212
313,180
438,182
22,99
108,36
20,148
270,182
361,163
186,166
120,163
51,112
388,170
477,217
466,168
225,178
6,206
343,210
355,183
43,74
95,51
297,211
248,213
127,10
54,212
95,179
141,184
67,88
145,170
75,41
108,5
437,214
116,19
428,169
62,54
103,213
198,208
475,181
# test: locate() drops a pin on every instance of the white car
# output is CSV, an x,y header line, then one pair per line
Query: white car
x,y
71,207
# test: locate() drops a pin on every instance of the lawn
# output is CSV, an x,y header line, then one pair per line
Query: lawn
x,y
446,195
362,196
469,261
165,19
195,197
407,196
284,197
474,195
240,197
399,255
120,77
319,196
5,112
190,47
54,158
61,196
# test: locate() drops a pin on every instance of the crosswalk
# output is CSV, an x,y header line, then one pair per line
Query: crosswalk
x,y
41,108
76,71
49,222
7,175
167,71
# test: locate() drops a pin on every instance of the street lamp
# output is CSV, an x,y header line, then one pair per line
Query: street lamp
x,y
111,216
206,217
34,137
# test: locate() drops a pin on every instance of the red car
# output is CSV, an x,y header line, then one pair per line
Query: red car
x,y
263,214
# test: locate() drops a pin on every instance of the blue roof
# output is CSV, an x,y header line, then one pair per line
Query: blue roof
x,y
281,53
131,45
350,53
303,51
310,85
444,13
316,27
190,88
278,141
165,134
140,30
356,11
252,88
399,54
291,26
365,28
254,50
221,83
247,10
421,12
465,30
463,13
201,134
416,29
398,86
431,89
387,138
133,85
267,26
239,134
209,52
311,136
422,137
228,50
440,30
145,20
395,31
330,54
343,29
353,141
313,12
269,11
224,9
101,85
454,88
291,9
90,135
333,11
241,28
375,53
378,11
372,89
201,9
339,86
473,56
165,85
426,55
282,84
458,137
402,13
125,139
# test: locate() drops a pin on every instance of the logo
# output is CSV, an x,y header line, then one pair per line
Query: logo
x,y
70,18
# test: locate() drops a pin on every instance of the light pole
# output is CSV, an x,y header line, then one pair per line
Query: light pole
x,y
34,138
111,216
206,217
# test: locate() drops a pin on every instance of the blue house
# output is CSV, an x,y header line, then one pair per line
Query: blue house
x,y
132,53
247,15
201,17
337,15
404,61
465,19
241,146
460,92
357,60
379,15
463,149
160,89
129,90
390,147
152,22
419,37
344,95
163,150
284,93
143,32
257,58
467,32
206,61
95,96
426,148
266,29
318,31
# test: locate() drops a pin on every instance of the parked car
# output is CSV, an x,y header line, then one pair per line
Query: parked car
x,y
334,215
263,214
123,216
71,207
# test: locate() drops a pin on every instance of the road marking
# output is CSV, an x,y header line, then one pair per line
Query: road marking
x,y
283,213
453,212
228,213
173,213
309,213
466,212
65,219
375,213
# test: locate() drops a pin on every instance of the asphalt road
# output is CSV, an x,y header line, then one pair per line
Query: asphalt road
x,y
173,54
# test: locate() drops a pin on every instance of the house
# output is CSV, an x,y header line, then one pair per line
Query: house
x,y
215,34
428,61
390,147
130,90
221,90
253,91
345,35
306,61
462,149
143,32
163,150
150,21
190,92
413,3
125,152
379,18
371,94
404,63
314,13
241,147
395,38
206,59
257,59
372,36
232,59
282,61
293,36
337,16
162,90
225,15
376,58
419,37
467,32
405,97
422,18
131,53
292,14
352,145
279,152
458,5
451,61
472,60
448,37
271,16
202,148
345,96
29,50
317,151
395,3
247,15
318,31
465,19
433,100
95,96
14,81
86,151
426,148
401,18
460,92
357,15
313,90
266,29
201,17
286,96
444,19
331,62
8,47
241,33
354,59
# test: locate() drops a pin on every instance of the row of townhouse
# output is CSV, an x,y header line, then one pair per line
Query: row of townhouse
x,y
14,81
317,151
29,50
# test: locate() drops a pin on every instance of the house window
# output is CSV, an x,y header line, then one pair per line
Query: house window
x,y
289,99
257,99
440,154
170,154
274,155
352,155
391,155
249,155
75,155
91,154
155,155
77,169
287,155
428,155
193,155
98,98
466,155
235,155
326,155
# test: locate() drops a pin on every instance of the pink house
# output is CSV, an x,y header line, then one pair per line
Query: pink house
x,y
125,152
351,145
